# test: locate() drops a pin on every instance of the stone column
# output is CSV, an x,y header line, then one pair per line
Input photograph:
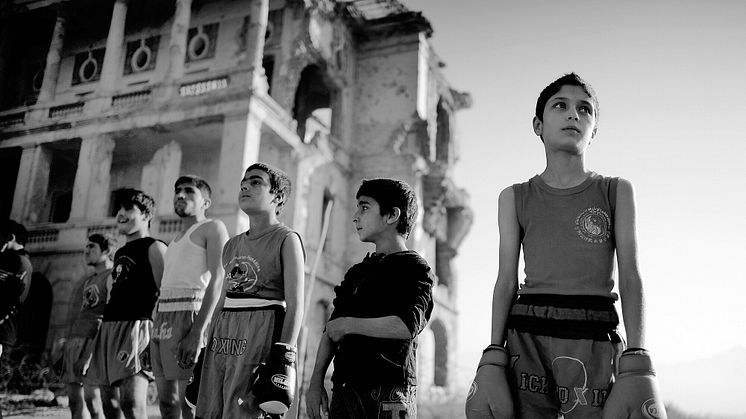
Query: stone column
x,y
258,15
30,196
238,149
91,187
52,68
111,68
177,45
159,175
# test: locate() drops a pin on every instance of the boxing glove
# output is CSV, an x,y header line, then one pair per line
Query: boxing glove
x,y
274,386
489,396
635,393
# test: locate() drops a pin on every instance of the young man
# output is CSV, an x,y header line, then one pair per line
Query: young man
x,y
85,312
17,244
380,307
120,347
13,273
554,340
191,286
261,309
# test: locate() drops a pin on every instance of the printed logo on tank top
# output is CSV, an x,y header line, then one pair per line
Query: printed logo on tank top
x,y
242,273
122,267
91,296
593,225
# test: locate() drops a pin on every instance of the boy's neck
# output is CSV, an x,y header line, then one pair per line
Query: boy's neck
x,y
138,235
258,223
190,220
564,170
390,244
102,266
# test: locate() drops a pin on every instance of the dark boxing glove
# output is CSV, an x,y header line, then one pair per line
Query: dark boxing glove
x,y
191,392
489,396
635,393
274,387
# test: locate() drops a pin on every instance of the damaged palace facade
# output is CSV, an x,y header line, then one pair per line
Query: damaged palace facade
x,y
98,96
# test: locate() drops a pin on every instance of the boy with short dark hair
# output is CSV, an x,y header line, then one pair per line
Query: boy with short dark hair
x,y
13,277
190,289
85,312
120,355
380,307
555,344
258,317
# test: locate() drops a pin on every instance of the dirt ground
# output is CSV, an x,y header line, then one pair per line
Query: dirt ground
x,y
59,412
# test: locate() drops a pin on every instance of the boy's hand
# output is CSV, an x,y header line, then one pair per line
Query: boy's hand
x,y
317,401
187,350
80,367
337,329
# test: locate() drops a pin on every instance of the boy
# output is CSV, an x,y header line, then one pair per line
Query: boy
x,y
191,286
120,347
554,347
86,310
380,307
13,279
261,310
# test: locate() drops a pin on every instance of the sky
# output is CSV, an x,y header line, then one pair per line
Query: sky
x,y
671,80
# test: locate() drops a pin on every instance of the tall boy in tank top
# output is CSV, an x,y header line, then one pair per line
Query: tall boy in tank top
x,y
555,350
262,306
122,341
191,286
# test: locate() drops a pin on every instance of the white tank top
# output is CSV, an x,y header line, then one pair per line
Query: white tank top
x,y
185,265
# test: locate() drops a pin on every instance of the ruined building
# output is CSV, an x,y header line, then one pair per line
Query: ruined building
x,y
101,95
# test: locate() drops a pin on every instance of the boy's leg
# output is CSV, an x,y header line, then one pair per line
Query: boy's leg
x,y
77,404
110,402
93,401
530,382
584,371
133,394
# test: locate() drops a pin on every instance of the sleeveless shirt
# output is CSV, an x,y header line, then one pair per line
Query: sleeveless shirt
x,y
134,292
185,263
567,236
253,267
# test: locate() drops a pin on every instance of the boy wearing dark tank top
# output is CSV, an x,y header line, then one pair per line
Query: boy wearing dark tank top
x,y
555,350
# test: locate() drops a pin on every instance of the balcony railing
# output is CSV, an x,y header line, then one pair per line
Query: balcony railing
x,y
66,110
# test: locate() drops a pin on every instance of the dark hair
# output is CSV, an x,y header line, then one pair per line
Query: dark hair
x,y
571,79
8,227
197,181
135,197
390,194
279,183
104,242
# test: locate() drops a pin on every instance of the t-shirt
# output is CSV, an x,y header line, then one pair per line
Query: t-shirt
x,y
567,236
398,284
89,302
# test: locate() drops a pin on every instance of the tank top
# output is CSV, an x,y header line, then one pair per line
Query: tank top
x,y
133,292
567,236
93,302
185,264
253,268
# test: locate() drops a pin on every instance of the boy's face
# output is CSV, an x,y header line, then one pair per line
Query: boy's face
x,y
255,196
369,223
131,220
569,120
189,201
93,254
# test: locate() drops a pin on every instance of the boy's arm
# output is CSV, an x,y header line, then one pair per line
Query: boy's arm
x,y
293,275
506,286
156,254
316,398
215,237
630,282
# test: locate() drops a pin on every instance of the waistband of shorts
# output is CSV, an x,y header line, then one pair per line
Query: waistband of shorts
x,y
180,299
251,304
567,317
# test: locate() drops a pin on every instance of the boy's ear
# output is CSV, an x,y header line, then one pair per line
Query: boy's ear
x,y
279,198
538,126
393,216
206,202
